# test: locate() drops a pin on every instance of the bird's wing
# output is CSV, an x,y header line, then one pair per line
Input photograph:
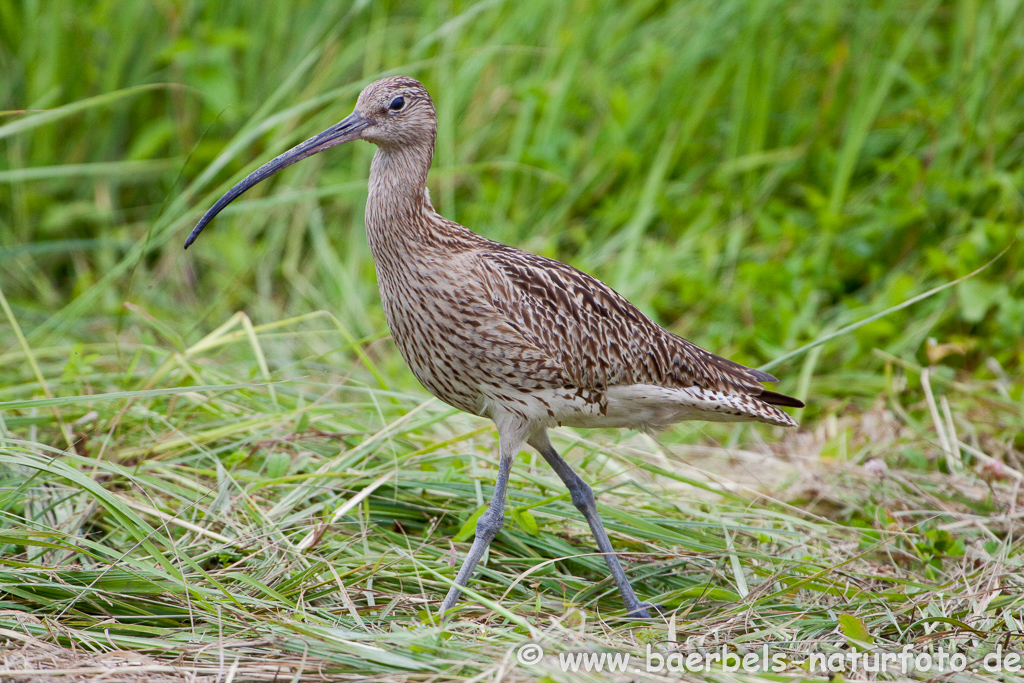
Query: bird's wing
x,y
597,337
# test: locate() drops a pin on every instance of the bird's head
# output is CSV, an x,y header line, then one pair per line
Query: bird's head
x,y
391,112
398,111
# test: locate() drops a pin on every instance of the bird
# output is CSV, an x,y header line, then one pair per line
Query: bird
x,y
529,342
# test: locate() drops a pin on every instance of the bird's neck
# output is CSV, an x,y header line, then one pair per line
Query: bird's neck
x,y
398,191
399,215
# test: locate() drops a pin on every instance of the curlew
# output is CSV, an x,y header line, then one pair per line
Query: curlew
x,y
526,341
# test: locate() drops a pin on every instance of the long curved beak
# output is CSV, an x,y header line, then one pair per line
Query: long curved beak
x,y
346,130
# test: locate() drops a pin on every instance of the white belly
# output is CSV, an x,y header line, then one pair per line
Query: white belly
x,y
640,406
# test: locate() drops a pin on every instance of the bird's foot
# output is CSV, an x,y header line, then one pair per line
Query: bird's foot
x,y
644,609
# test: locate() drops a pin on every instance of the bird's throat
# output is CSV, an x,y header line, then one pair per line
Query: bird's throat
x,y
398,208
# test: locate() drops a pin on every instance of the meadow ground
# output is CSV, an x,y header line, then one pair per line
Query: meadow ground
x,y
215,466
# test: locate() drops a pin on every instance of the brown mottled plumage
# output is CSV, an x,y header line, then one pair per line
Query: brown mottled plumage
x,y
526,341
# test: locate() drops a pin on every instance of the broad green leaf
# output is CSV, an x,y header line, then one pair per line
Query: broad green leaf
x,y
854,629
526,521
277,464
469,526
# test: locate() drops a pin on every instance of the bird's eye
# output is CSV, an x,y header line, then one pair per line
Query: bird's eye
x,y
397,104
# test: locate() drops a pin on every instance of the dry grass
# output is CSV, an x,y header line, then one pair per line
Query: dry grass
x,y
211,530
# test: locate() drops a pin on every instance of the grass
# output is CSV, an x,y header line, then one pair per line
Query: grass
x,y
193,490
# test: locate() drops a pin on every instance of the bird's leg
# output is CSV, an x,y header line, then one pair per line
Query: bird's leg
x,y
583,498
491,521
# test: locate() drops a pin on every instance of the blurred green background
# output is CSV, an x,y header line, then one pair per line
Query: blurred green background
x,y
755,174
752,174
